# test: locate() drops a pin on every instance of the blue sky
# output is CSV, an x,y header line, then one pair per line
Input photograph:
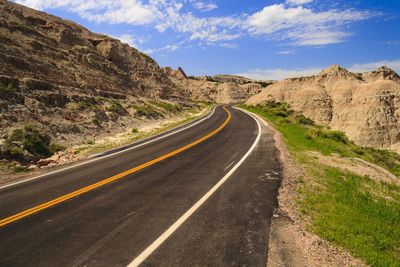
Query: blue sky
x,y
259,39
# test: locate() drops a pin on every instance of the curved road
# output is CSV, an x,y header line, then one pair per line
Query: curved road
x,y
182,200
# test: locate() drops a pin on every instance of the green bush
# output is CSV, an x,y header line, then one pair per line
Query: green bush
x,y
83,105
54,148
31,140
7,89
146,110
328,134
166,106
116,107
301,119
134,130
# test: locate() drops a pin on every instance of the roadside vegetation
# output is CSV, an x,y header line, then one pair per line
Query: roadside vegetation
x,y
7,89
136,134
28,144
352,211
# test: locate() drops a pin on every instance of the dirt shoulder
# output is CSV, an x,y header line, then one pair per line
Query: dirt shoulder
x,y
290,243
80,153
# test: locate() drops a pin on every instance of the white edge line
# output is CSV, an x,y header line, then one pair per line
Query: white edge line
x,y
230,164
162,136
149,250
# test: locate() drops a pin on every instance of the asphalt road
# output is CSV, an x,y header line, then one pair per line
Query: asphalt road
x,y
120,220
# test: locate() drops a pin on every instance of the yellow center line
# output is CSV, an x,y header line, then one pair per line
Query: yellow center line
x,y
111,179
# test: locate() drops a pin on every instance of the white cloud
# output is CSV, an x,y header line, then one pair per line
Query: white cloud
x,y
117,11
204,7
169,47
362,67
127,39
286,52
229,45
302,25
298,2
279,74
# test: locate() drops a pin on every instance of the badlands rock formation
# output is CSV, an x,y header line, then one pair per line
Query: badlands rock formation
x,y
70,82
222,89
366,106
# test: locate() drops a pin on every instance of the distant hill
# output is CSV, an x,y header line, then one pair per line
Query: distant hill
x,y
366,106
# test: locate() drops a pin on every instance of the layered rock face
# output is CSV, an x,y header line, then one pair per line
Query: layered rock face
x,y
48,66
366,106
223,89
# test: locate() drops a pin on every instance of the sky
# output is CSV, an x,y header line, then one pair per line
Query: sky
x,y
260,39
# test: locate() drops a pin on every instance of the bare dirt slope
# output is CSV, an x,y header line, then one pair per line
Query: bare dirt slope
x,y
71,83
363,105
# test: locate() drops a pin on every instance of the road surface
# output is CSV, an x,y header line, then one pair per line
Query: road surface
x,y
203,196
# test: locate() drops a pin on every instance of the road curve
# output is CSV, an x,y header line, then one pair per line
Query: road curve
x,y
144,191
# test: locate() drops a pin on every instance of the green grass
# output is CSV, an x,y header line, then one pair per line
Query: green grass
x,y
171,108
345,210
135,134
147,110
302,136
116,107
31,140
83,105
7,89
349,210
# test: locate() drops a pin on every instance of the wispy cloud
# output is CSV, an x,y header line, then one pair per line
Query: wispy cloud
x,y
204,7
278,74
298,2
304,26
127,39
286,52
369,66
298,25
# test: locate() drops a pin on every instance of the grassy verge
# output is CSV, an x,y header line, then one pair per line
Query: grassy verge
x,y
351,211
136,134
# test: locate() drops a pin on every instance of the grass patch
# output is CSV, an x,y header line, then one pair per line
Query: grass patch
x,y
349,210
83,105
147,110
301,134
135,134
171,108
345,211
29,143
116,107
7,89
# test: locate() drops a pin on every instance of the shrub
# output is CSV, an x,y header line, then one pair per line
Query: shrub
x,y
328,134
148,111
53,148
301,119
116,107
83,105
166,106
31,140
134,130
7,89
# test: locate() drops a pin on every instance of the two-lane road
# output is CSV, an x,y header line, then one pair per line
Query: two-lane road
x,y
202,196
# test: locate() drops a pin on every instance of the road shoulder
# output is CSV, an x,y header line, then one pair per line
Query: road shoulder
x,y
290,244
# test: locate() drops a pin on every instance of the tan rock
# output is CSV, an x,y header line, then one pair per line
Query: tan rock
x,y
363,105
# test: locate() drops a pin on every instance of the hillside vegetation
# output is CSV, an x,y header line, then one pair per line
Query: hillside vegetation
x,y
351,210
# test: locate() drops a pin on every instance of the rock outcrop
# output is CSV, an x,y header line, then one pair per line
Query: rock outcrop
x,y
72,83
223,89
366,106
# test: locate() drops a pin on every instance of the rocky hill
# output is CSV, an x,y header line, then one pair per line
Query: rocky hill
x,y
366,106
221,89
72,83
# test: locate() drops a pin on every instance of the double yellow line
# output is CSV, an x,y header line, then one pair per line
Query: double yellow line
x,y
106,181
